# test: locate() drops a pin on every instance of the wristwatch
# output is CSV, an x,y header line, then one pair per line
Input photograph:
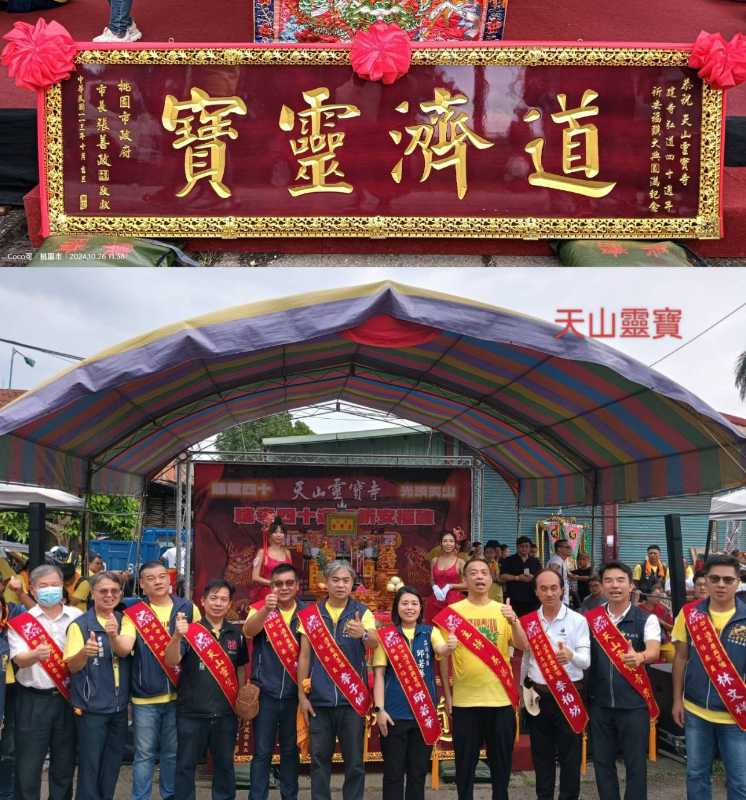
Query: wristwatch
x,y
377,709
365,636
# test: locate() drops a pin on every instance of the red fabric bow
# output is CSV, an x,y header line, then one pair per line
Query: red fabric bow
x,y
721,64
384,330
383,52
38,55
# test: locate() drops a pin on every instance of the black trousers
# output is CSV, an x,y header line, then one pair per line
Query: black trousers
x,y
44,723
101,742
552,738
613,729
330,724
194,735
493,727
405,755
7,746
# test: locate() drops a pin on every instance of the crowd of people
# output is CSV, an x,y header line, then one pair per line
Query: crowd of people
x,y
72,677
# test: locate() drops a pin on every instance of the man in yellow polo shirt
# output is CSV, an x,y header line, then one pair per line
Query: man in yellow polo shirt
x,y
153,695
482,711
697,706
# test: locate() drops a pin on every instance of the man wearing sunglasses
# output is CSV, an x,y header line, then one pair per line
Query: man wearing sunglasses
x,y
99,662
279,692
711,632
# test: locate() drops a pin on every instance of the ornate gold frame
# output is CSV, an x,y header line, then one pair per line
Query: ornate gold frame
x,y
706,225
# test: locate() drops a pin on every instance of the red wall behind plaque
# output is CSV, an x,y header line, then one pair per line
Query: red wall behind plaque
x,y
224,548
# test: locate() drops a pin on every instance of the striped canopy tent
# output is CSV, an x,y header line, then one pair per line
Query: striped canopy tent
x,y
565,420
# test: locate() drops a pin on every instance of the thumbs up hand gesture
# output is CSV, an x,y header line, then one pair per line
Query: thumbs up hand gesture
x,y
182,625
632,658
91,646
451,642
508,612
354,627
564,654
111,627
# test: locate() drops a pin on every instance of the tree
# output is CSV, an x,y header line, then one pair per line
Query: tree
x,y
249,435
116,516
741,375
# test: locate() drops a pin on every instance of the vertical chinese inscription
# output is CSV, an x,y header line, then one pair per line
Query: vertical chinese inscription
x,y
103,143
82,145
670,144
315,148
124,115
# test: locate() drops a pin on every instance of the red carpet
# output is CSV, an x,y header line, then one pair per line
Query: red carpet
x,y
228,21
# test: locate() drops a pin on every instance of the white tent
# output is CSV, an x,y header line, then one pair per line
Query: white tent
x,y
729,506
17,496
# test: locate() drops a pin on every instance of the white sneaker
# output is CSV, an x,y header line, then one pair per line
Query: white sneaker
x,y
133,32
108,36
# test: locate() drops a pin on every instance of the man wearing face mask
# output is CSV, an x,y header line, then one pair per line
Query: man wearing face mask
x,y
44,716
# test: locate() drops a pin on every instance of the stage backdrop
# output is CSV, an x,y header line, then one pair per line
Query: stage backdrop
x,y
401,512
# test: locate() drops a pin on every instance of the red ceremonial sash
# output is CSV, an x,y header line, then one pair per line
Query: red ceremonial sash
x,y
155,636
613,643
716,661
281,639
333,660
558,682
212,655
33,633
411,681
478,644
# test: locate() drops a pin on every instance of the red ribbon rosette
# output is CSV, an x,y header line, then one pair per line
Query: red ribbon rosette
x,y
38,55
382,53
721,64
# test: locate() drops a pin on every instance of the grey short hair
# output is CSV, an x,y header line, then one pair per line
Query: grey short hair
x,y
44,571
94,580
336,565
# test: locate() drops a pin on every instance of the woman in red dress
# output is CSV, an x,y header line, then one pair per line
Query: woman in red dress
x,y
446,572
270,556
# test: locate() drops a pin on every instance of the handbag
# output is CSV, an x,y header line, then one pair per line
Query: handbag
x,y
247,702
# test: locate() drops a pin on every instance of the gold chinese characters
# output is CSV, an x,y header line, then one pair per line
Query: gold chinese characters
x,y
574,137
443,140
316,147
204,157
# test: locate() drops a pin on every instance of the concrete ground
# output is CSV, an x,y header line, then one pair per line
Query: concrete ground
x,y
665,782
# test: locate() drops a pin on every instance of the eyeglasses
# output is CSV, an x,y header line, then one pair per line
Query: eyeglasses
x,y
108,591
728,580
280,584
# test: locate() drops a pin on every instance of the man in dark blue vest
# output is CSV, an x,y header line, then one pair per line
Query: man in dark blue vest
x,y
697,705
619,715
205,719
99,663
329,715
153,694
279,692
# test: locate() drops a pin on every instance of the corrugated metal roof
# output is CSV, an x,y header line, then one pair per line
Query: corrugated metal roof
x,y
378,433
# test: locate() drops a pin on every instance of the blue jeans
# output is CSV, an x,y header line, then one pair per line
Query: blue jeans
x,y
119,16
701,739
155,738
275,716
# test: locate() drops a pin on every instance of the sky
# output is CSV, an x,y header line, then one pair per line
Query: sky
x,y
83,311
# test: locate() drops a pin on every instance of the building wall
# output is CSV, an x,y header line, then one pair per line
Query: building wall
x,y
638,524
